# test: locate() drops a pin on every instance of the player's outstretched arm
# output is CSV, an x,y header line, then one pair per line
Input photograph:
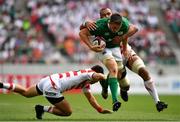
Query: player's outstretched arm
x,y
94,103
98,77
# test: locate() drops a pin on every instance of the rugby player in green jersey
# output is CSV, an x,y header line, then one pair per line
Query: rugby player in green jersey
x,y
109,28
134,63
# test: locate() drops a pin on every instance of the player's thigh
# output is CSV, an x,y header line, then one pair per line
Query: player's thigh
x,y
63,106
31,91
135,63
109,60
111,65
116,53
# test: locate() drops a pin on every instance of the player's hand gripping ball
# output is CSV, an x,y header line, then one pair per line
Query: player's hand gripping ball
x,y
99,41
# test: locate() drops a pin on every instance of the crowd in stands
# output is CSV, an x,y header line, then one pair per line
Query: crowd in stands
x,y
171,11
47,31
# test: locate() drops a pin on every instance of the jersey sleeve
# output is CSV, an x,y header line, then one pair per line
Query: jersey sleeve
x,y
99,27
97,30
125,25
90,74
86,88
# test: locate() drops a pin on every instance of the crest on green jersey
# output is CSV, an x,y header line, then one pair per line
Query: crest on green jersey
x,y
107,34
120,33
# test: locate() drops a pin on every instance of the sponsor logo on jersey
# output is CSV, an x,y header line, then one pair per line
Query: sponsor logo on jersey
x,y
106,34
120,33
109,40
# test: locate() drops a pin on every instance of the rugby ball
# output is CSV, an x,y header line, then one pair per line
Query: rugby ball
x,y
99,41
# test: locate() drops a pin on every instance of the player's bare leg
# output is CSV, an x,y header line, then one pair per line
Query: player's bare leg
x,y
137,66
29,92
61,108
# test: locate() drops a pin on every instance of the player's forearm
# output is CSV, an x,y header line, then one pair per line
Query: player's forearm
x,y
93,102
85,38
95,105
124,44
98,76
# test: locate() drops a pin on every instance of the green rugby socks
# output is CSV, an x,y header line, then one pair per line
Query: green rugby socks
x,y
113,83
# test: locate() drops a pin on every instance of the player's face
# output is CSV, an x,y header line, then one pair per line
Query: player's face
x,y
114,27
105,13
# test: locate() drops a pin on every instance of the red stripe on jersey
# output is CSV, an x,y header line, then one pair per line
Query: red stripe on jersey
x,y
90,70
60,75
75,73
83,71
11,86
67,74
52,82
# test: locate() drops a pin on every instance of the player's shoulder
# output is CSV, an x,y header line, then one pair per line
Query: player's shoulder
x,y
102,20
124,19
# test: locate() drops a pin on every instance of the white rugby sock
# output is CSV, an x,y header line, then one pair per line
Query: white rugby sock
x,y
48,109
149,85
9,86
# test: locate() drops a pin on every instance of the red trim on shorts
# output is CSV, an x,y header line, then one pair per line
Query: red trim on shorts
x,y
52,82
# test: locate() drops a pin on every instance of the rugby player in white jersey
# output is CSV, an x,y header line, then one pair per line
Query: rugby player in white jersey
x,y
53,86
134,63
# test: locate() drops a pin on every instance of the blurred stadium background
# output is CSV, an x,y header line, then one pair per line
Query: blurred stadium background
x,y
40,37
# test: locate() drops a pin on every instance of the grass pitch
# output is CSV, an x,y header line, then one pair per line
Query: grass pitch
x,y
14,107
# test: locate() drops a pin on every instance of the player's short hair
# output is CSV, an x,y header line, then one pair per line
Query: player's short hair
x,y
104,8
98,69
116,18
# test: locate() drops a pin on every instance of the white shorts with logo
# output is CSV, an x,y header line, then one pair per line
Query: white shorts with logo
x,y
46,88
109,53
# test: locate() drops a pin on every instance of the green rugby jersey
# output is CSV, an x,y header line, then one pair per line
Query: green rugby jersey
x,y
103,31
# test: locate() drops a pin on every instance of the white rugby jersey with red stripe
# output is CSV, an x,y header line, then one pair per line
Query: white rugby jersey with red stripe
x,y
72,80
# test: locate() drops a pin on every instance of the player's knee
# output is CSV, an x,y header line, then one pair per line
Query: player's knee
x,y
122,74
137,65
26,94
124,84
68,113
126,88
113,72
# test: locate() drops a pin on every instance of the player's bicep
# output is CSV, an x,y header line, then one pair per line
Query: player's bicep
x,y
86,89
84,32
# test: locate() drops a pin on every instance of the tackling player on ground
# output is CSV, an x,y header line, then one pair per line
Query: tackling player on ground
x,y
54,85
134,63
